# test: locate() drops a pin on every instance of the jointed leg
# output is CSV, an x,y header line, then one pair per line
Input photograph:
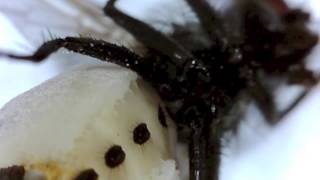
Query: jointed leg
x,y
209,19
150,37
294,104
99,49
264,101
303,77
298,99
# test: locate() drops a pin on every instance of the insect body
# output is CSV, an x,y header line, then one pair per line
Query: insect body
x,y
199,84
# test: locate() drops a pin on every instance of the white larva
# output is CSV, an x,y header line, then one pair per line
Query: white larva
x,y
67,125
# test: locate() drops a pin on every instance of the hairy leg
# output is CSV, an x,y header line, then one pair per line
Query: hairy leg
x,y
99,49
147,35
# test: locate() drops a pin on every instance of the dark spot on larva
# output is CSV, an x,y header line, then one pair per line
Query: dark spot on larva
x,y
162,117
12,173
141,134
88,174
115,156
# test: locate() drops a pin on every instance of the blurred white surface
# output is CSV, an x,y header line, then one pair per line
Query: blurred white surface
x,y
288,151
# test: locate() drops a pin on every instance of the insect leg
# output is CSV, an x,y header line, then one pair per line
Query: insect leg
x,y
294,104
213,154
150,37
204,154
209,19
264,100
197,155
299,75
99,49
298,99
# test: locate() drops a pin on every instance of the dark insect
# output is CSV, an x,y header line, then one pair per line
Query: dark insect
x,y
114,156
201,73
88,174
12,173
141,134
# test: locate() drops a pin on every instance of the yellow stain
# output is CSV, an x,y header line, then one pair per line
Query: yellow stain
x,y
52,171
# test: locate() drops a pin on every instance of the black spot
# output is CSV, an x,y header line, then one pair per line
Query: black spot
x,y
141,134
88,174
12,173
115,156
162,117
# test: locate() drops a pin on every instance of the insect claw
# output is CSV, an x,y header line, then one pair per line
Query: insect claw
x,y
19,57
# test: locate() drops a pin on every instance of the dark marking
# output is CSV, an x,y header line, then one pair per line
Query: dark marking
x,y
115,156
88,174
162,117
141,134
12,173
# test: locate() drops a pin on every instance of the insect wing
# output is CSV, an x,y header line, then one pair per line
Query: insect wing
x,y
40,20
